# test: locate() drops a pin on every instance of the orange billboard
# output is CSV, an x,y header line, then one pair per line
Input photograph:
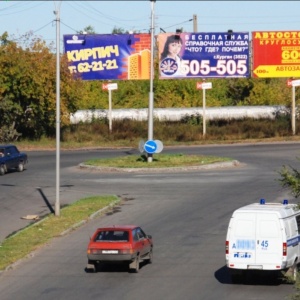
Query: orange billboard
x,y
276,54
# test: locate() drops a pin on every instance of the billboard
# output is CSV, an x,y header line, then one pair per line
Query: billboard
x,y
203,55
276,53
109,56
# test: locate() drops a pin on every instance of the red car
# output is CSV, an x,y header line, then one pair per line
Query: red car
x,y
123,243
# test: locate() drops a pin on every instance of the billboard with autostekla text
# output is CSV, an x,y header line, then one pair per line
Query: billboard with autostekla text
x,y
276,53
109,56
201,55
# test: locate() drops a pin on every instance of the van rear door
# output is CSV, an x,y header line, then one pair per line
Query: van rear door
x,y
255,241
269,240
241,240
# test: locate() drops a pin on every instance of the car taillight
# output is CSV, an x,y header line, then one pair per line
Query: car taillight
x,y
126,251
284,249
93,251
227,247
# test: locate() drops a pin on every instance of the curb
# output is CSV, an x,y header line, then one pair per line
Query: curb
x,y
221,165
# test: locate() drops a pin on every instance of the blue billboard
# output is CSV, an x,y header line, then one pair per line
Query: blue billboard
x,y
204,55
109,56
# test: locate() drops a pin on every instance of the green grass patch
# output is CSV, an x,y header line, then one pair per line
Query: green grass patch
x,y
35,235
159,161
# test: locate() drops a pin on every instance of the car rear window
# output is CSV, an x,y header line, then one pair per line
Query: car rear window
x,y
112,236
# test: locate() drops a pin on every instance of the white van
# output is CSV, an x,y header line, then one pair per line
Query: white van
x,y
263,236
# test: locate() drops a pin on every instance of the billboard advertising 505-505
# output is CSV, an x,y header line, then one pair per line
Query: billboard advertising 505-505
x,y
191,55
109,56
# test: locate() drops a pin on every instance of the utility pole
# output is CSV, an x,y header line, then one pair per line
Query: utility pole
x,y
293,112
195,26
151,96
57,201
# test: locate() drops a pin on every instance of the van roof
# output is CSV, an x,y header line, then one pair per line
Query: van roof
x,y
283,210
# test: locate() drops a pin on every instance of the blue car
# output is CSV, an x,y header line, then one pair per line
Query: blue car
x,y
12,159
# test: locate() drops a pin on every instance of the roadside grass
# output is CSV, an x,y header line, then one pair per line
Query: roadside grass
x,y
22,243
189,131
159,161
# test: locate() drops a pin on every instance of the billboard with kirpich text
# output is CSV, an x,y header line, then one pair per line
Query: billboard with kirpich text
x,y
109,56
276,54
203,55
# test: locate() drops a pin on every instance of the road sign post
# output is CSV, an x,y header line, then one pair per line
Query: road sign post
x,y
203,86
293,84
109,87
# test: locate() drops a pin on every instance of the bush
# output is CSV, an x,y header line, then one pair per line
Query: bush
x,y
188,129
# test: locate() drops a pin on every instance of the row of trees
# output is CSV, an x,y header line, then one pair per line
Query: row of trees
x,y
28,91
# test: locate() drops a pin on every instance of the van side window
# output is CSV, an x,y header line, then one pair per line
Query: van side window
x,y
298,222
291,229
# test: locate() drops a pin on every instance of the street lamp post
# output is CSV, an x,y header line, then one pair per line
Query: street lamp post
x,y
151,96
57,201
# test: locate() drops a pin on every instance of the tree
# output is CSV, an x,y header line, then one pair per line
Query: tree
x,y
87,30
28,89
268,91
4,39
118,30
290,178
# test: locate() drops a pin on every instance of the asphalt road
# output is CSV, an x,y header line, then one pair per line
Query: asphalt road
x,y
186,213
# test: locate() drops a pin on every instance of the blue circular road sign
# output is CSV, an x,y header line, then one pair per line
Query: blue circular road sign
x,y
150,146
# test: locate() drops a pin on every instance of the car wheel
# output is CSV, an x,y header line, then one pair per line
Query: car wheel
x,y
2,170
135,265
150,255
21,167
91,267
294,271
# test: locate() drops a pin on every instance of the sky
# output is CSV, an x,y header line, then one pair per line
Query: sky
x,y
21,17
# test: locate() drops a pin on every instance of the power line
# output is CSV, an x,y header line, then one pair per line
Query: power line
x,y
179,24
69,27
18,5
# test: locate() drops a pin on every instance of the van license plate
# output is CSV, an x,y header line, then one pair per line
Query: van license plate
x,y
255,267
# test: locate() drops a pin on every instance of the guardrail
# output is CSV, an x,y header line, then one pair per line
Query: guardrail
x,y
177,114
